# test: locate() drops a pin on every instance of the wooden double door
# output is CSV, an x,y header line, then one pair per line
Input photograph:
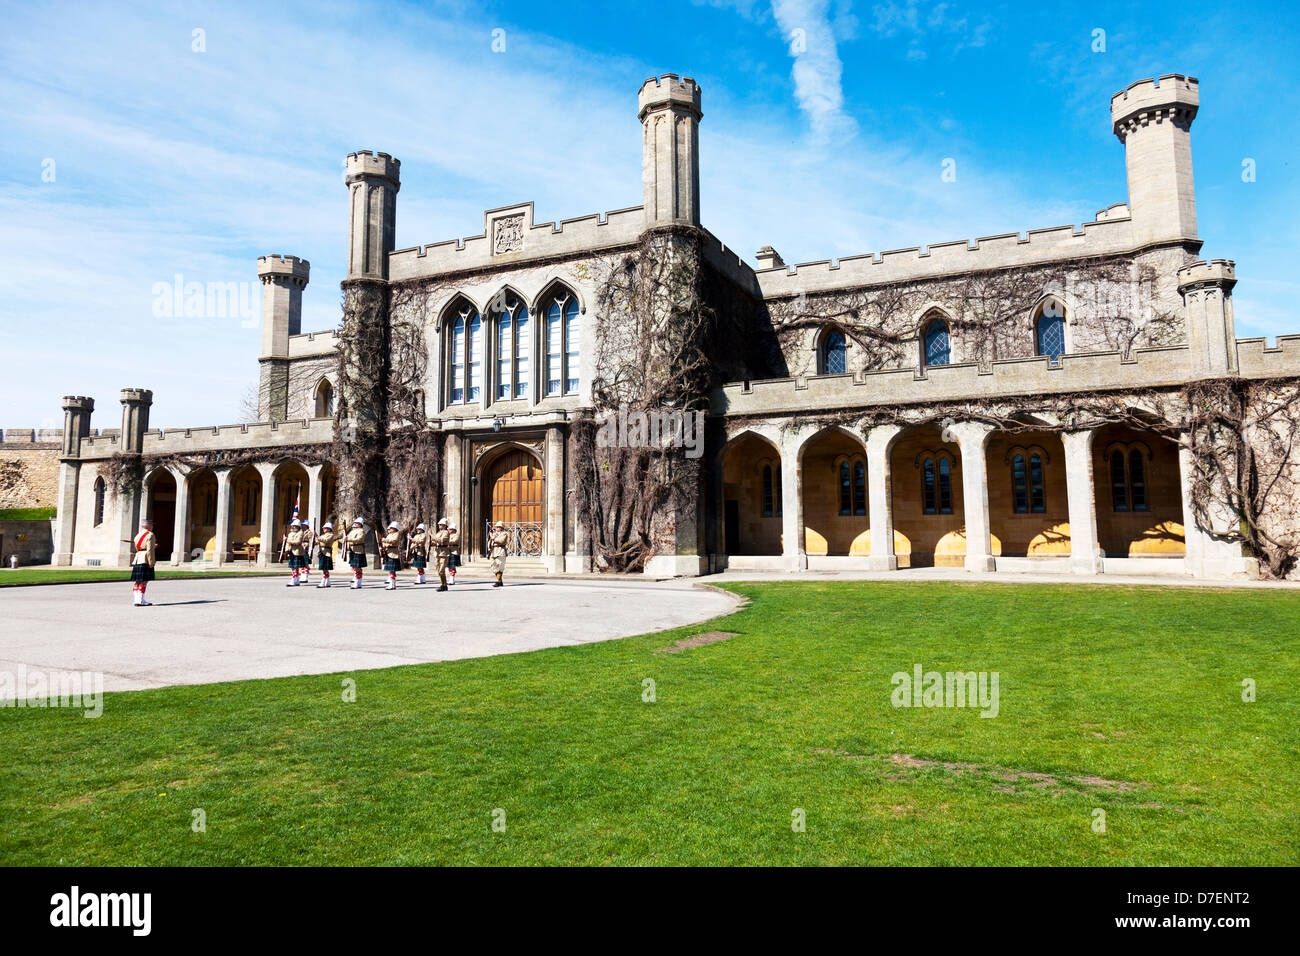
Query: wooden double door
x,y
516,490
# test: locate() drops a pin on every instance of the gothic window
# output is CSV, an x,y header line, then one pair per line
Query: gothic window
x,y
936,486
1137,481
561,343
325,399
252,502
465,383
846,490
938,345
833,360
1028,492
768,492
1050,331
859,488
1118,482
945,487
512,349
99,502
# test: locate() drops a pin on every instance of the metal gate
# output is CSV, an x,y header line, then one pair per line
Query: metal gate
x,y
525,537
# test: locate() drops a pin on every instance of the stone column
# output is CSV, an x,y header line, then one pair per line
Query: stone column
x,y
1085,557
270,540
554,500
793,549
315,496
973,438
181,537
222,546
880,502
69,480
1208,555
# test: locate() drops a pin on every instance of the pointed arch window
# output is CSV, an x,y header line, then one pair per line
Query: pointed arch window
x,y
938,343
1118,482
513,349
859,488
99,501
945,486
1137,480
325,399
561,343
1049,331
846,490
1028,493
768,492
465,378
834,354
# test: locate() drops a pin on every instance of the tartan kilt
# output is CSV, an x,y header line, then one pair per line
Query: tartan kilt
x,y
357,560
325,561
419,561
297,562
392,564
453,560
141,573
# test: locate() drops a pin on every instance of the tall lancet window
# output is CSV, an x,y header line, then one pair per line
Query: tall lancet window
x,y
1050,331
465,368
562,341
512,348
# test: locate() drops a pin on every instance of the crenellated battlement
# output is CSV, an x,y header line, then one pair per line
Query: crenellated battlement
x,y
535,241
136,396
1106,236
268,435
365,163
280,266
1217,272
1172,96
668,90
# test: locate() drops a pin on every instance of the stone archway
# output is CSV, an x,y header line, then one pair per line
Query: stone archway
x,y
161,507
513,486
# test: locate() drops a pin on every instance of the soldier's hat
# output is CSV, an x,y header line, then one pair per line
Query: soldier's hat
x,y
420,526
392,525
294,523
327,525
360,521
499,524
441,522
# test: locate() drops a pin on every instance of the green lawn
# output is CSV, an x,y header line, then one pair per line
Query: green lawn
x,y
21,577
27,514
1126,699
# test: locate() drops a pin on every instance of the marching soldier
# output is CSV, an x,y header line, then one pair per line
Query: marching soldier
x,y
441,551
142,562
453,558
497,544
417,547
308,543
295,542
392,554
324,553
356,543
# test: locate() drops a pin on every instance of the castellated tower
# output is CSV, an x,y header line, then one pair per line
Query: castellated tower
x,y
670,166
373,180
1153,119
283,279
76,426
135,422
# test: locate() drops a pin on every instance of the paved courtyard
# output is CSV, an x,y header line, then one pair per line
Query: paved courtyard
x,y
225,629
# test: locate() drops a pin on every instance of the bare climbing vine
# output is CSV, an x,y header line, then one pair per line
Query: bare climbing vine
x,y
652,352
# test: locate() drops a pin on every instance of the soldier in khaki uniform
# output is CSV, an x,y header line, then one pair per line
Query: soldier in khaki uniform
x,y
392,554
498,541
356,543
324,553
441,549
142,561
417,548
295,542
453,547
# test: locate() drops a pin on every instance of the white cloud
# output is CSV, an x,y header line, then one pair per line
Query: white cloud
x,y
817,71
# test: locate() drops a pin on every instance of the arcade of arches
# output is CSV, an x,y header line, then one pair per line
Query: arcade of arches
x,y
901,497
217,514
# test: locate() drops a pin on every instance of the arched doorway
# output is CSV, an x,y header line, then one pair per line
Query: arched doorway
x,y
161,508
752,496
514,486
203,513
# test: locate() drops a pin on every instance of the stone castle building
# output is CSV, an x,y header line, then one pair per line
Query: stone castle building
x,y
1072,399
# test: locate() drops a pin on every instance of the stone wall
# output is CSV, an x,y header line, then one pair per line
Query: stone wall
x,y
29,468
32,542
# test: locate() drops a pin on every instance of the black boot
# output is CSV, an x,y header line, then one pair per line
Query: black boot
x,y
443,588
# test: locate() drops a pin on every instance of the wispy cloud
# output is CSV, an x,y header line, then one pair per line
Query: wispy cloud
x,y
807,28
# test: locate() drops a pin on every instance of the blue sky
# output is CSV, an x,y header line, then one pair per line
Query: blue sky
x,y
169,161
